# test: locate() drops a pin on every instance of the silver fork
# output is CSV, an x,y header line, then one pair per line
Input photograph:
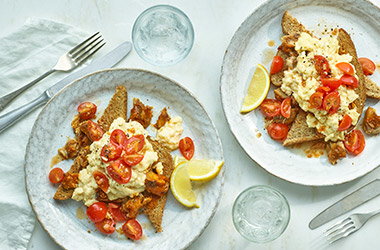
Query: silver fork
x,y
348,226
66,62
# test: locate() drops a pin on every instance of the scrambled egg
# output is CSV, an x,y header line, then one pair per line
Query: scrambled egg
x,y
170,134
86,189
303,80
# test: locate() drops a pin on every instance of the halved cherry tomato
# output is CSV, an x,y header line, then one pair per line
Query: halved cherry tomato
x,y
316,100
345,123
368,66
354,142
346,68
186,146
323,89
322,66
332,83
110,151
115,212
132,160
102,181
56,175
106,226
134,144
86,110
278,131
286,107
270,107
93,130
97,211
349,81
277,65
118,137
331,102
119,172
132,229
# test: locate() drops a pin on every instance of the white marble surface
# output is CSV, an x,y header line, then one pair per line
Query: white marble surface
x,y
214,23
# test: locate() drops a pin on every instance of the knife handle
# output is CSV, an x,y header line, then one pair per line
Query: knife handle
x,y
11,117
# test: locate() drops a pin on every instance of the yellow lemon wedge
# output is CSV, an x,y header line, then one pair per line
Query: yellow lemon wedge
x,y
180,185
257,90
203,170
178,160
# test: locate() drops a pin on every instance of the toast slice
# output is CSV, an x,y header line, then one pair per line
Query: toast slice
x,y
117,107
155,209
372,89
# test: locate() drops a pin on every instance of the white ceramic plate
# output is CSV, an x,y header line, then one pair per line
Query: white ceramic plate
x,y
181,226
249,46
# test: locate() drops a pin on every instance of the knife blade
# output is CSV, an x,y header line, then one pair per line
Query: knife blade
x,y
106,61
351,201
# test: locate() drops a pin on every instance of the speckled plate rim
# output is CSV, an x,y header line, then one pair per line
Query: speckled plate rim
x,y
67,87
222,81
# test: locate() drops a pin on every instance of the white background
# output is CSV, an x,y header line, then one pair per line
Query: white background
x,y
214,21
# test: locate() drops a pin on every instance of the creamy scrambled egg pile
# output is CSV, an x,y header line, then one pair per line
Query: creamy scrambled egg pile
x,y
303,80
170,134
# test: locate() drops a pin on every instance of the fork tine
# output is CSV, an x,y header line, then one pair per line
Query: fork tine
x,y
82,43
337,226
87,47
349,230
90,53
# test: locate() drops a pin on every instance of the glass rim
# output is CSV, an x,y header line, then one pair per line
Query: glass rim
x,y
274,191
177,11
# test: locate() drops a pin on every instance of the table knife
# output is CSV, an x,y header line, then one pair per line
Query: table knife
x,y
351,201
106,61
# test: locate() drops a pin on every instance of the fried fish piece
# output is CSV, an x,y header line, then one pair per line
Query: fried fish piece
x,y
162,119
141,113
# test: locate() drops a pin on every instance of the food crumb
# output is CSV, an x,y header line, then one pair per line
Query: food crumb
x,y
89,231
258,135
271,43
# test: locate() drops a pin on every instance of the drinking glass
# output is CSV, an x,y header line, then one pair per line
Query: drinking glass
x,y
261,214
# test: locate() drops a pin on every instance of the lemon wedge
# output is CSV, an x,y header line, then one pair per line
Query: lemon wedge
x,y
178,160
203,170
257,90
180,185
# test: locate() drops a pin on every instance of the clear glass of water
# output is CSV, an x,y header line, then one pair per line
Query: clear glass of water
x,y
163,35
261,214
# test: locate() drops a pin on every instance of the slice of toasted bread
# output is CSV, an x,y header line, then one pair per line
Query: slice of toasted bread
x,y
155,209
372,89
117,107
299,131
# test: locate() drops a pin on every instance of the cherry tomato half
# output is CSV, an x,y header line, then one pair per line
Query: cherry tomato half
x,y
118,137
270,107
132,229
322,66
110,151
354,142
323,89
186,146
331,102
277,65
134,144
345,123
119,172
56,175
97,211
286,106
348,80
368,66
346,68
102,181
93,130
115,212
132,160
278,131
331,83
316,100
86,110
106,226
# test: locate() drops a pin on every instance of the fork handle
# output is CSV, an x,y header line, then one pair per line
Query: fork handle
x,y
5,100
11,117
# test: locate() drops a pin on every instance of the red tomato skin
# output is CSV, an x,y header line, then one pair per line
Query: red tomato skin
x,y
86,110
278,131
331,83
277,65
322,66
368,66
101,180
118,137
286,107
110,151
316,100
94,131
132,229
118,171
56,175
345,123
270,107
97,211
348,80
186,147
354,142
132,160
134,144
106,226
346,68
116,213
323,89
331,102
